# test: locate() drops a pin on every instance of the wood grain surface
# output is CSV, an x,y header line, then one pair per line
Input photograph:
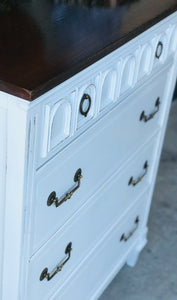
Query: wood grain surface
x,y
44,42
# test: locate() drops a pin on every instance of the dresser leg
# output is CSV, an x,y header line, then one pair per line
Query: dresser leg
x,y
133,257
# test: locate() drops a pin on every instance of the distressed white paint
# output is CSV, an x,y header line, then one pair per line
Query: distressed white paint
x,y
39,155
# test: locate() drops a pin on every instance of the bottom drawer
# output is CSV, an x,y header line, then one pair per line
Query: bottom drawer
x,y
106,258
85,278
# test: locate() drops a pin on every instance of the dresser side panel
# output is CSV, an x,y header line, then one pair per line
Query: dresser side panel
x,y
16,135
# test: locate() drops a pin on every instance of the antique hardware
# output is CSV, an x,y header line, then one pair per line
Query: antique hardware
x,y
124,237
49,276
85,99
159,50
135,182
145,118
52,197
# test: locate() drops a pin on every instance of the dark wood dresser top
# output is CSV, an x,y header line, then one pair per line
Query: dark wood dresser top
x,y
44,42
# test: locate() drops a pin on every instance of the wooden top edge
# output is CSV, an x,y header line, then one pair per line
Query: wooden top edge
x,y
48,72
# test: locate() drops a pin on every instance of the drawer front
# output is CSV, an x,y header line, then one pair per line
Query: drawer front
x,y
99,153
107,259
80,236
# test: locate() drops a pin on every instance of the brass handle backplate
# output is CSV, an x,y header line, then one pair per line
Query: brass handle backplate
x,y
52,197
145,118
49,276
135,182
126,238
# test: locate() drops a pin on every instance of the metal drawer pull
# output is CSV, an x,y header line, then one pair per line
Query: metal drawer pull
x,y
135,182
145,118
85,97
159,50
49,276
52,197
126,238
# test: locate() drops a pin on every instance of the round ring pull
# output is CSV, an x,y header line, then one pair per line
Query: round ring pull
x,y
159,50
85,99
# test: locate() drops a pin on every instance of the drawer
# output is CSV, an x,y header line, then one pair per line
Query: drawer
x,y
80,235
93,276
166,44
98,153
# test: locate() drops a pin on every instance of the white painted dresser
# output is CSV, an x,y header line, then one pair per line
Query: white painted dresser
x,y
78,168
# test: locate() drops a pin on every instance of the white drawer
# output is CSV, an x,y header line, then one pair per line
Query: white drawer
x,y
80,237
99,153
165,44
106,259
157,50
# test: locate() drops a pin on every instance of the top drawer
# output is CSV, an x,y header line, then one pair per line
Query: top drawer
x,y
69,109
98,153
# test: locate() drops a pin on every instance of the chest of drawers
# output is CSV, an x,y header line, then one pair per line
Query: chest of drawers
x,y
78,164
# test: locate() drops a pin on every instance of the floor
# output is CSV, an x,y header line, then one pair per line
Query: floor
x,y
155,274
